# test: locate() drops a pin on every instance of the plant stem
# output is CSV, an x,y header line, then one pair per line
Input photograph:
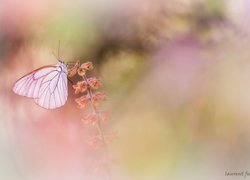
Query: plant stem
x,y
95,110
99,126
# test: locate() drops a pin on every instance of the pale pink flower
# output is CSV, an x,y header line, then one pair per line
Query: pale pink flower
x,y
82,101
81,71
97,97
80,87
87,65
90,119
94,83
95,142
72,71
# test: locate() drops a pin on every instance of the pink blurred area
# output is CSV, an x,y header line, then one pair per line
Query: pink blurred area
x,y
20,17
43,144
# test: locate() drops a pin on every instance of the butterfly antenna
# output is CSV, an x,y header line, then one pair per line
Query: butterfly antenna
x,y
58,50
54,54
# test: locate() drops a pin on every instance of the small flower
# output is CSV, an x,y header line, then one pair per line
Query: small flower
x,y
81,86
87,65
81,71
97,97
94,83
90,119
95,142
72,71
82,101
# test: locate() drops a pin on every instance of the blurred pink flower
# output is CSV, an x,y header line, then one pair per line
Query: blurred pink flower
x,y
82,101
94,83
97,97
90,119
80,87
87,66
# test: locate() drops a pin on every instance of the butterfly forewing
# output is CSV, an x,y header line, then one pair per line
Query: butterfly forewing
x,y
47,85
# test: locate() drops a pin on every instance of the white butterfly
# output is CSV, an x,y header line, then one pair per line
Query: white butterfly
x,y
47,85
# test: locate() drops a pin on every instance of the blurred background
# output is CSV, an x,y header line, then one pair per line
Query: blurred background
x,y
176,73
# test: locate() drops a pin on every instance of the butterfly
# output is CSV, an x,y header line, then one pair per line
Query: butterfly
x,y
47,85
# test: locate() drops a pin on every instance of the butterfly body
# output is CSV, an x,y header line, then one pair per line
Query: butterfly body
x,y
47,85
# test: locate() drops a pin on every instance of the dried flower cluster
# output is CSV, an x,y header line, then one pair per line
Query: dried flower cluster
x,y
88,87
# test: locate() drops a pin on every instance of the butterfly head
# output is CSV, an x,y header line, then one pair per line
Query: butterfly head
x,y
62,66
61,61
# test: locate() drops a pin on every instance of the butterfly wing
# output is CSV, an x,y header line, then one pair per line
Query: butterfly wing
x,y
46,85
54,91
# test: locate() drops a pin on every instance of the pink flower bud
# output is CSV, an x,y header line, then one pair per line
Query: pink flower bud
x,y
87,66
72,71
81,71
